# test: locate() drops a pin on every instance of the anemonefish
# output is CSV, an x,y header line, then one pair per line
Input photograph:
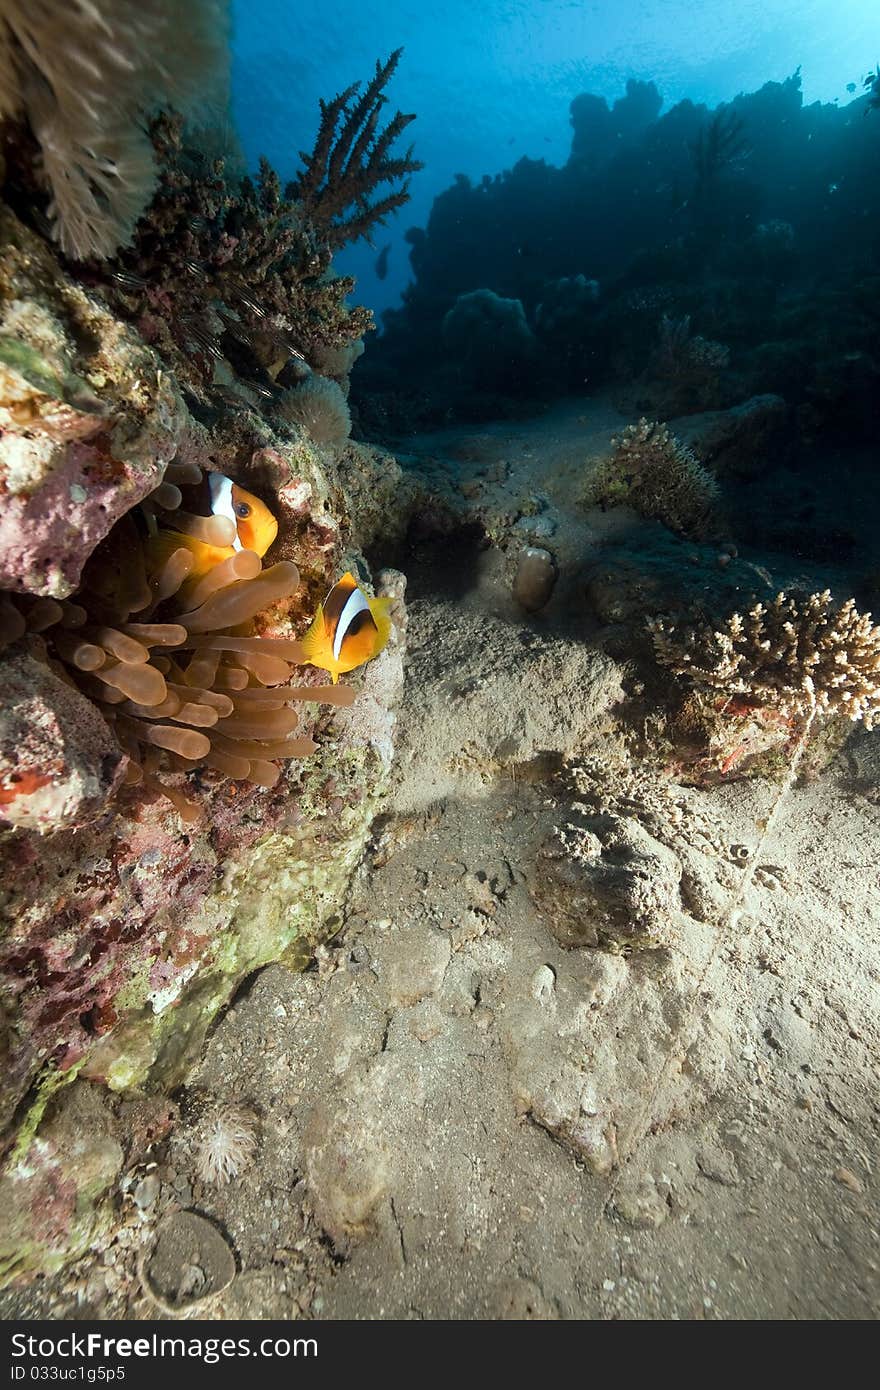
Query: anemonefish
x,y
218,496
348,629
256,527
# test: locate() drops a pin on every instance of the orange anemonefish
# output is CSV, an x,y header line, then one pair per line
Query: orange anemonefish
x,y
255,529
348,629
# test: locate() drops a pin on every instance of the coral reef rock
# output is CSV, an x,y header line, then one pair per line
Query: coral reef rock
x,y
607,882
742,442
50,1196
126,929
59,762
90,419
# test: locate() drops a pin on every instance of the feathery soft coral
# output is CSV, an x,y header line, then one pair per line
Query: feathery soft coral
x,y
84,74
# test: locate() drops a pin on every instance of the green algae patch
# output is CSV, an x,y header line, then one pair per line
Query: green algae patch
x,y
50,1083
53,1192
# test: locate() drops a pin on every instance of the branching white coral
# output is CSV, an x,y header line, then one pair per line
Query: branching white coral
x,y
653,472
799,657
228,1144
85,73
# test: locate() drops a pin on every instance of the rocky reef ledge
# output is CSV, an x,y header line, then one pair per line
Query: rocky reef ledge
x,y
125,928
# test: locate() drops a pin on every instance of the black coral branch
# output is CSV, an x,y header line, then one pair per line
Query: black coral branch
x,y
351,159
720,144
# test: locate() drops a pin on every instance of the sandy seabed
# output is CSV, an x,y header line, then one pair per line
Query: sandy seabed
x,y
461,1116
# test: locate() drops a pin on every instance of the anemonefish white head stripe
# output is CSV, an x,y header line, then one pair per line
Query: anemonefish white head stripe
x,y
355,604
193,527
220,490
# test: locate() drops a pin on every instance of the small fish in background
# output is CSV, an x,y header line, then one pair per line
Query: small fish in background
x,y
850,87
382,262
255,528
349,629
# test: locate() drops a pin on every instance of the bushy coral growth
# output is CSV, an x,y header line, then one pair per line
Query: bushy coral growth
x,y
686,365
489,337
229,280
797,656
653,472
84,73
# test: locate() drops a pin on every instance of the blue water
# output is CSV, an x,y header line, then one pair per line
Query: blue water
x,y
492,80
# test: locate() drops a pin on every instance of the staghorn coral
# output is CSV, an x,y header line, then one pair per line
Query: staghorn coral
x,y
182,685
83,73
653,472
350,160
798,656
320,407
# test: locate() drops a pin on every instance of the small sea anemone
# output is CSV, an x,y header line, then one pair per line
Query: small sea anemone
x,y
320,407
227,1144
